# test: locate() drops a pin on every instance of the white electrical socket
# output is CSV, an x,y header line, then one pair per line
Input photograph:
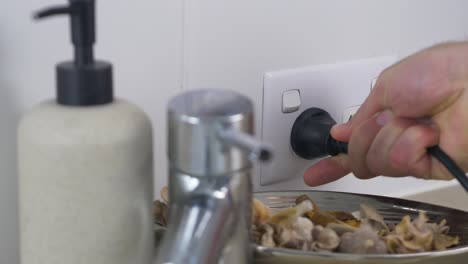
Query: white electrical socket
x,y
337,88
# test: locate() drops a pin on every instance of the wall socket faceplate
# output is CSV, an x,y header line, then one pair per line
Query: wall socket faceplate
x,y
337,88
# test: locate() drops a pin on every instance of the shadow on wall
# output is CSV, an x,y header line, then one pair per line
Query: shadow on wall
x,y
9,115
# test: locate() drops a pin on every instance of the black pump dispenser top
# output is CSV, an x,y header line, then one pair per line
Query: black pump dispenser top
x,y
83,81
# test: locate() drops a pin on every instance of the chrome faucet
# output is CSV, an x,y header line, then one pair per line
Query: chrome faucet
x,y
211,148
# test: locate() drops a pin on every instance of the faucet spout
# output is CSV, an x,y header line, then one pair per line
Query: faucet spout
x,y
202,225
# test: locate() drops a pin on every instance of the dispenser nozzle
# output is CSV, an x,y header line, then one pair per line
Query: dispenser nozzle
x,y
82,17
83,81
52,11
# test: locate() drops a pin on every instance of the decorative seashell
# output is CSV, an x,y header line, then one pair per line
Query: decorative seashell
x,y
165,194
324,239
419,236
365,240
255,234
407,239
288,217
303,198
267,237
289,238
416,236
442,241
341,228
347,218
303,228
161,213
283,235
322,218
260,212
374,218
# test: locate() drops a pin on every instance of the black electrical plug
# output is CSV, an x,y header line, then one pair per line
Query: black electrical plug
x,y
310,135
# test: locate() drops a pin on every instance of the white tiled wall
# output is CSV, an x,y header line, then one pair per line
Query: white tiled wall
x,y
160,47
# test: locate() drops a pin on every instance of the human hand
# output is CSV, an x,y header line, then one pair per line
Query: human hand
x,y
419,102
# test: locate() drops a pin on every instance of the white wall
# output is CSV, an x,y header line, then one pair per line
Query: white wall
x,y
160,47
230,44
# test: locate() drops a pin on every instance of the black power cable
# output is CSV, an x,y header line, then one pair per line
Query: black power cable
x,y
450,164
335,147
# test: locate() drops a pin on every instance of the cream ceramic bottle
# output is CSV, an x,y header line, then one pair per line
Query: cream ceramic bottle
x,y
85,165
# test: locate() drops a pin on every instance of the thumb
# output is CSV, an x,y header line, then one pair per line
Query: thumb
x,y
341,132
327,170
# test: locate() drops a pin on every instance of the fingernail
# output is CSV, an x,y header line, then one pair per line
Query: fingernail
x,y
428,121
340,126
384,117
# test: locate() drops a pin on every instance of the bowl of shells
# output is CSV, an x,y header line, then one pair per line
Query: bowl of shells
x,y
334,227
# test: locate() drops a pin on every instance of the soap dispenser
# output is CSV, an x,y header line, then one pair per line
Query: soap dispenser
x,y
85,164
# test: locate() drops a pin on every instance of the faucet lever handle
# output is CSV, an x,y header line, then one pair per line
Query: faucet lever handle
x,y
247,143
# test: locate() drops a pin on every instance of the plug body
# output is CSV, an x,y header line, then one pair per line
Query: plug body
x,y
310,135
